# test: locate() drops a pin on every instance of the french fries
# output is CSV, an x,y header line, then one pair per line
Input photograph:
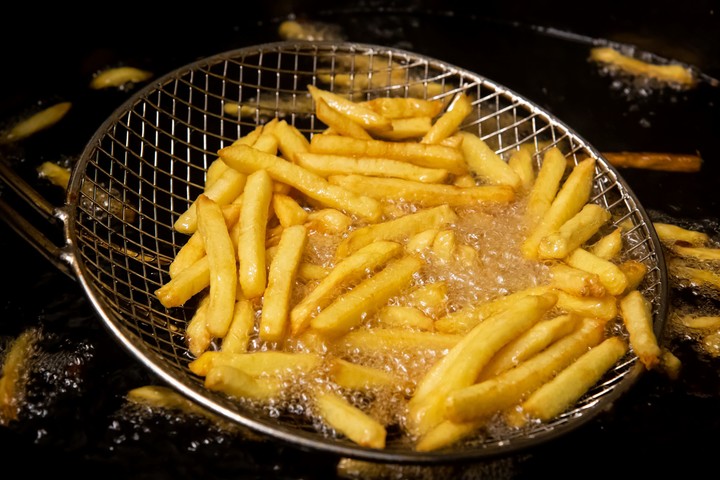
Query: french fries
x,y
333,266
676,74
37,122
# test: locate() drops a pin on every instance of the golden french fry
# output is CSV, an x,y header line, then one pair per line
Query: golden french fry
x,y
670,234
347,272
356,111
119,77
529,343
406,128
696,276
253,225
481,400
261,363
610,275
574,232
572,197
223,191
636,313
463,320
237,338
348,310
396,230
274,318
699,322
634,271
290,140
326,165
449,122
571,383
349,419
339,122
194,248
662,161
37,122
575,281
223,269
697,253
446,433
423,155
463,363
288,211
546,185
425,194
609,246
247,159
522,164
217,167
56,174
186,284
236,383
487,165
404,107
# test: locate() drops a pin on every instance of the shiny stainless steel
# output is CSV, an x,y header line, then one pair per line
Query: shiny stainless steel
x,y
147,162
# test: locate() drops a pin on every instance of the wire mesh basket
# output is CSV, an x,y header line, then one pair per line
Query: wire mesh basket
x,y
148,162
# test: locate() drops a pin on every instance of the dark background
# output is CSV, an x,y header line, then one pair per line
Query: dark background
x,y
75,420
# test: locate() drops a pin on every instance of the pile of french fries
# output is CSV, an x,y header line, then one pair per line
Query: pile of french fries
x,y
346,275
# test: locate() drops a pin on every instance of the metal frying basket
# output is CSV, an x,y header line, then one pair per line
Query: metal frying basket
x,y
147,163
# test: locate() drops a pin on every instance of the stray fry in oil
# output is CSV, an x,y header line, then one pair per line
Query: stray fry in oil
x,y
119,77
665,162
13,370
37,122
676,74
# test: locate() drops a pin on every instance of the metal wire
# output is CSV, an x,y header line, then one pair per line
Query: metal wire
x,y
148,161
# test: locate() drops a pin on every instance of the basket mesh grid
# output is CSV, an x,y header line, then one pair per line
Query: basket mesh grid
x,y
144,167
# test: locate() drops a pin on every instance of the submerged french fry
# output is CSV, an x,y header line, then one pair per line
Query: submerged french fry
x,y
349,420
609,246
576,282
522,164
237,338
